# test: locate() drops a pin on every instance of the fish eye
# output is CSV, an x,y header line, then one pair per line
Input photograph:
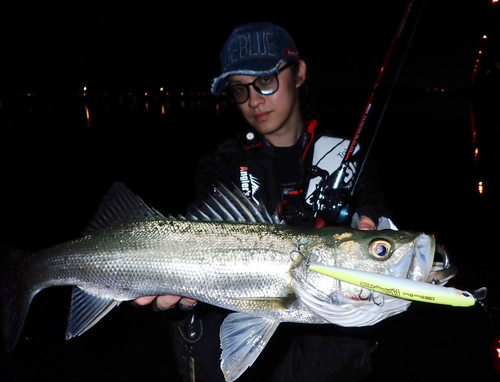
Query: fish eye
x,y
380,249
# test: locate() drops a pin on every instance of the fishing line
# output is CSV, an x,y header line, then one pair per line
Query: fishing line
x,y
489,312
329,151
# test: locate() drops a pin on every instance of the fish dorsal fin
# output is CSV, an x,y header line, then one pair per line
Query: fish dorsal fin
x,y
229,206
242,338
120,205
86,310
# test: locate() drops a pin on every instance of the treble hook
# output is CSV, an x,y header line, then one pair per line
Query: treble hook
x,y
371,297
306,260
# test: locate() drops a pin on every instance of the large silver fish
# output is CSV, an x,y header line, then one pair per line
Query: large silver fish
x,y
259,270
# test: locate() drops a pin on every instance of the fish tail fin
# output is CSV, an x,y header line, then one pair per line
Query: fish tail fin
x,y
15,300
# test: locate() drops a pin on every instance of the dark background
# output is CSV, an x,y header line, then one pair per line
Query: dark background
x,y
61,148
54,44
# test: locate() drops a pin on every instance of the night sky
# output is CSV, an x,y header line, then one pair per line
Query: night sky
x,y
53,44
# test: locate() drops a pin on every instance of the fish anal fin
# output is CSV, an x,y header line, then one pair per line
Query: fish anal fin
x,y
243,337
86,311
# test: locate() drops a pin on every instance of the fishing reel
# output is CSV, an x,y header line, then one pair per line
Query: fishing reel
x,y
330,199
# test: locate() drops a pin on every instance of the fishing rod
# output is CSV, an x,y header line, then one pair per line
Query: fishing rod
x,y
330,203
367,152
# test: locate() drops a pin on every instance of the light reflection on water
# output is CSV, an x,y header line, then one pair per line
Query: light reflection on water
x,y
95,106
163,103
433,136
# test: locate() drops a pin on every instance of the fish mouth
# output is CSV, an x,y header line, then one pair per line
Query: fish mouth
x,y
416,264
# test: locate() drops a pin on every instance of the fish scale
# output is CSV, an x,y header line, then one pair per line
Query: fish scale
x,y
185,266
258,270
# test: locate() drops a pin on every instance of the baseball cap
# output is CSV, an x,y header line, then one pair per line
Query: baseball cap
x,y
254,49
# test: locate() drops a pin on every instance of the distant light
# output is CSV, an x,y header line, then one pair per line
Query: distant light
x,y
485,37
476,154
161,89
480,52
480,187
84,88
87,112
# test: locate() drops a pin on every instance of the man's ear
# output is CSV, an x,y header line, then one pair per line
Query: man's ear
x,y
300,76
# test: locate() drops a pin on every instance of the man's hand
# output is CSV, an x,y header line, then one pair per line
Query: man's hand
x,y
366,224
166,301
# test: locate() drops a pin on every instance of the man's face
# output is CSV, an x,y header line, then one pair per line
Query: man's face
x,y
277,114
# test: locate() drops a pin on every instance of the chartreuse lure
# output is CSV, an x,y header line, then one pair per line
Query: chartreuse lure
x,y
398,287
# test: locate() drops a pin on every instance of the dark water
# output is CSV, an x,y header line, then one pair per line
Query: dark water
x,y
60,154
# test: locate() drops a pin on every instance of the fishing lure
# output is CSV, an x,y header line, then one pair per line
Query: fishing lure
x,y
402,288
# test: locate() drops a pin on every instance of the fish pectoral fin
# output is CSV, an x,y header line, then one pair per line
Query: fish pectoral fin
x,y
243,337
86,310
264,304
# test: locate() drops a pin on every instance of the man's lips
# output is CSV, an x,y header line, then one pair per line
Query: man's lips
x,y
262,116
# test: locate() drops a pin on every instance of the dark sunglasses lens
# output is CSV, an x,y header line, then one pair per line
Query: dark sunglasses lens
x,y
239,93
265,85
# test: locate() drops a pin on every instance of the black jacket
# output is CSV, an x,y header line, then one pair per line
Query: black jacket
x,y
284,179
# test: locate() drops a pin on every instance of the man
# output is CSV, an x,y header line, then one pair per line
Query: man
x,y
280,162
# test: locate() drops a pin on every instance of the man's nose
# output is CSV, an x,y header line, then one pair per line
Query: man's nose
x,y
254,97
